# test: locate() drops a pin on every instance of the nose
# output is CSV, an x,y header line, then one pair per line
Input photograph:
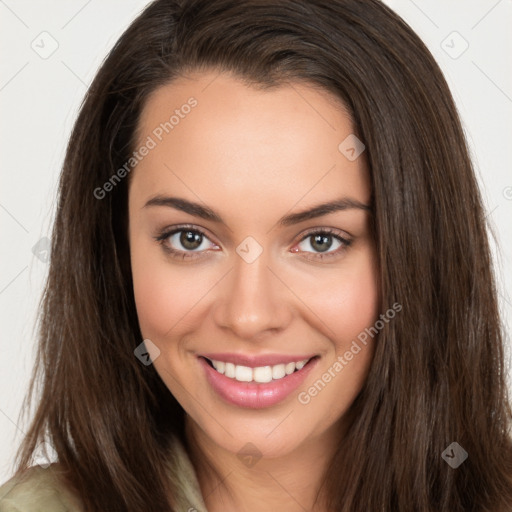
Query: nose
x,y
253,301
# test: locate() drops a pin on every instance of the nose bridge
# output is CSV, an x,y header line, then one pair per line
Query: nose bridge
x,y
253,300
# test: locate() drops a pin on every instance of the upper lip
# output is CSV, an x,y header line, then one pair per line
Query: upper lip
x,y
253,361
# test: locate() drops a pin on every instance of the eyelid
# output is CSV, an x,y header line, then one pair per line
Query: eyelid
x,y
331,231
167,232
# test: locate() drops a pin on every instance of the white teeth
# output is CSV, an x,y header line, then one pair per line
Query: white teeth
x,y
229,370
300,365
243,373
278,371
289,368
220,366
260,373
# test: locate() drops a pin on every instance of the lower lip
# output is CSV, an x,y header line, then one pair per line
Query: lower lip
x,y
255,395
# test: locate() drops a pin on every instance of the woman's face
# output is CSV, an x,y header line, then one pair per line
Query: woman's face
x,y
237,260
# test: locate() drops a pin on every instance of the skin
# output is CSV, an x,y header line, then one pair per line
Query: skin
x,y
254,156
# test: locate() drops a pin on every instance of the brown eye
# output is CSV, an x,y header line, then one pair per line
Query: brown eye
x,y
191,240
321,242
185,242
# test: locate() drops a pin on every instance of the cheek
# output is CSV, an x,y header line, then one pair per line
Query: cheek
x,y
162,296
354,305
348,304
345,300
170,299
152,293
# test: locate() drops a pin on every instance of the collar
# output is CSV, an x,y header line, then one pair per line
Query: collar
x,y
188,496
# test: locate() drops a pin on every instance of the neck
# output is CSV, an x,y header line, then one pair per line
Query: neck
x,y
290,483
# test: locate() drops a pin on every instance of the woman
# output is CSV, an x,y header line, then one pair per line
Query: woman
x,y
270,285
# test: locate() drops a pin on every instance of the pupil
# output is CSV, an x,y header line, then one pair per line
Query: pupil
x,y
321,243
190,239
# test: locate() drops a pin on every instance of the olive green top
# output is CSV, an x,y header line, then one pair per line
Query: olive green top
x,y
40,490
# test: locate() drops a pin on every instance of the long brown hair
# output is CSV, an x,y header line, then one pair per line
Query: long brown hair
x,y
438,373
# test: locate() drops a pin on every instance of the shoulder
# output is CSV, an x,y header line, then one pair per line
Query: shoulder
x,y
38,489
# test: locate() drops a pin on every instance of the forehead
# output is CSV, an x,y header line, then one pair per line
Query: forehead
x,y
216,138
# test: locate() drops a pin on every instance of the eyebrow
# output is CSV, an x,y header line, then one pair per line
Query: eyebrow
x,y
206,213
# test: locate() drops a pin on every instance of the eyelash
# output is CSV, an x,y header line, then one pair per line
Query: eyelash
x,y
178,254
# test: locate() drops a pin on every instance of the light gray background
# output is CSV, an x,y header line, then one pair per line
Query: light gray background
x,y
40,92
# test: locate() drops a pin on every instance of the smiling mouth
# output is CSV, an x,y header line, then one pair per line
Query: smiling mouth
x,y
259,374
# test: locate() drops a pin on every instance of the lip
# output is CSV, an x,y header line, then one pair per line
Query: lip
x,y
255,395
255,361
